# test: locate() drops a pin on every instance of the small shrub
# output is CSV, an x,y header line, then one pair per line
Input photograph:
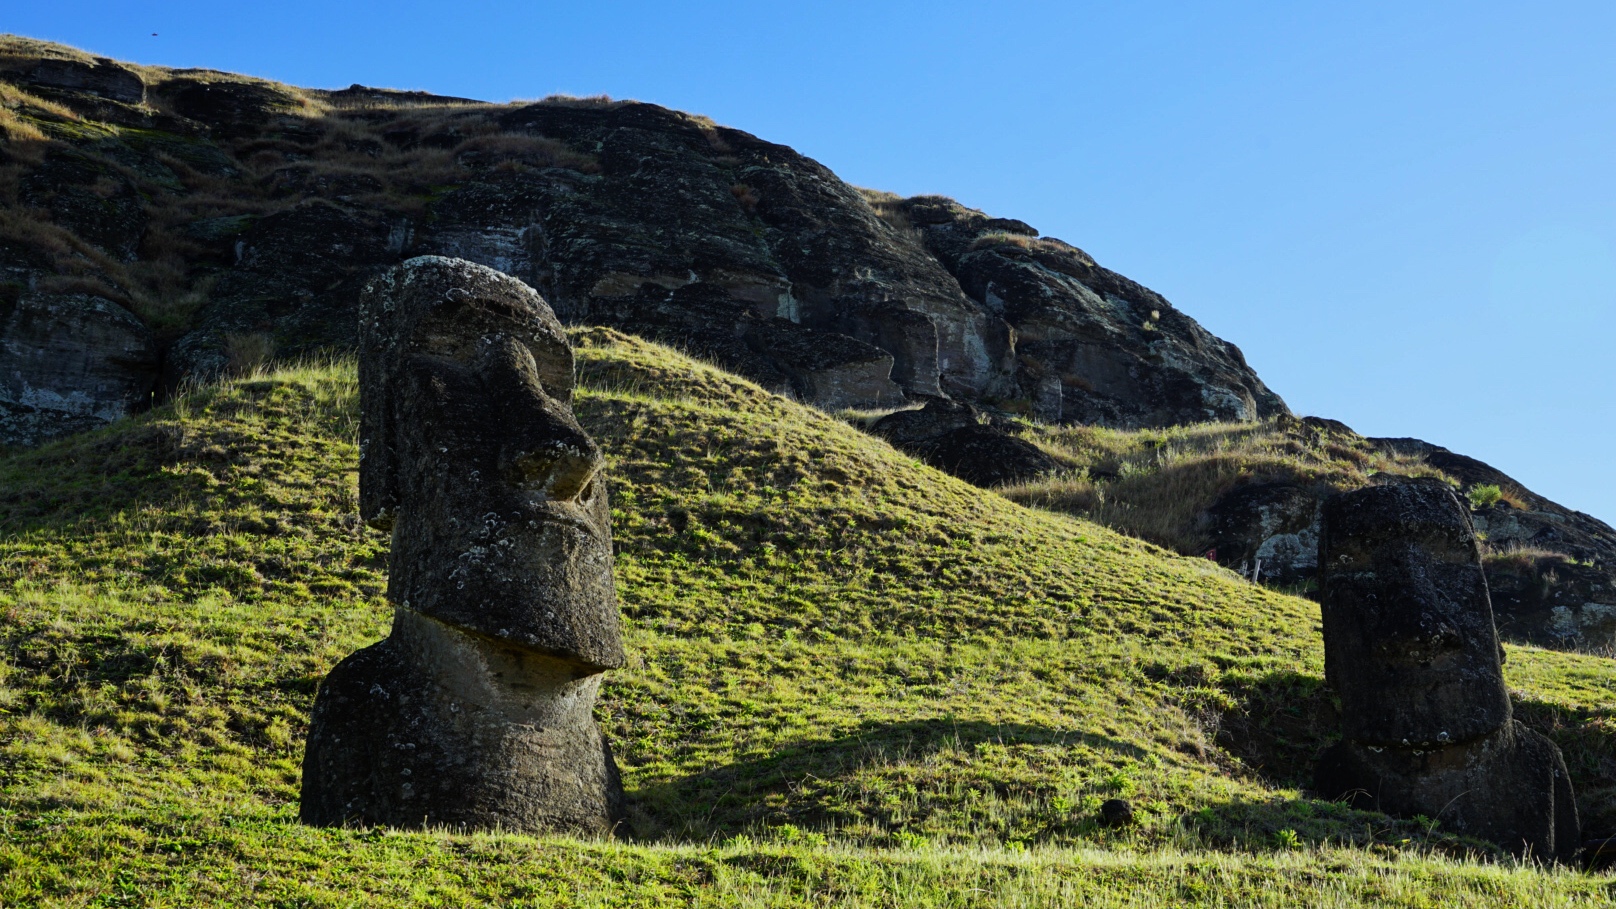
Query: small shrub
x,y
1484,495
747,196
248,352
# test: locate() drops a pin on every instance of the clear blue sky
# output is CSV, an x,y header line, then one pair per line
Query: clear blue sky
x,y
1404,213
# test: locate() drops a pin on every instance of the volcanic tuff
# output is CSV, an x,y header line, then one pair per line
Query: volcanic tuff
x,y
161,225
267,206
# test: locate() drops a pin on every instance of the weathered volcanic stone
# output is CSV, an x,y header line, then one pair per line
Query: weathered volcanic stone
x,y
1276,524
1510,787
958,439
71,362
1410,647
103,77
476,710
1408,628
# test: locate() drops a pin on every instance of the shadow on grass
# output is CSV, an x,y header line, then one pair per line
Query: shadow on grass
x,y
1278,724
1587,739
889,777
1283,720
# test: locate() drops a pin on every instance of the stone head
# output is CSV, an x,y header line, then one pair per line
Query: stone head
x,y
1409,641
470,454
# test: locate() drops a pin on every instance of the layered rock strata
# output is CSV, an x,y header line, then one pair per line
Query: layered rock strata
x,y
1411,650
476,711
68,363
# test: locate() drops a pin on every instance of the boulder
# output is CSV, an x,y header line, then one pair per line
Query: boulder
x,y
1411,650
101,77
1276,524
987,456
913,428
476,711
71,362
958,439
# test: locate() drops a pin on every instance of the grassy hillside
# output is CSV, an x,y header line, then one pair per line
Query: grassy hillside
x,y
853,680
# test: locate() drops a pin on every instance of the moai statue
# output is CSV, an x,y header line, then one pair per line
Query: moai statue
x,y
476,711
1410,648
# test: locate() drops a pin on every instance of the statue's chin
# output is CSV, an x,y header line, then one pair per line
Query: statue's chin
x,y
519,684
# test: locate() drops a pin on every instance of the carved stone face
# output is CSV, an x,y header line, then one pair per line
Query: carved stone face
x,y
471,454
1409,641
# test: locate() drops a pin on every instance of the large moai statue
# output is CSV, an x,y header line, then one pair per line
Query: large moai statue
x,y
476,711
1411,650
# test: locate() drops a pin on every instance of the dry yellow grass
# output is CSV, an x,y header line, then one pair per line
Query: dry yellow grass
x,y
888,207
1155,484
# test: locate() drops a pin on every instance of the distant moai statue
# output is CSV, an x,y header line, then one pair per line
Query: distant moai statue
x,y
1411,649
476,711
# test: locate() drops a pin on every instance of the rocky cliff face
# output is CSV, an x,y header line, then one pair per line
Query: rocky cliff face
x,y
238,217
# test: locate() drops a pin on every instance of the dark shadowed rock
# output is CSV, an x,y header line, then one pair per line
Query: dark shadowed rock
x,y
1410,648
476,710
910,429
1274,524
1116,813
986,456
88,198
1546,598
295,278
231,106
71,362
829,369
101,77
958,439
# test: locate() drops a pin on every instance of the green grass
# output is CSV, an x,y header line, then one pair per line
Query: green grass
x,y
852,680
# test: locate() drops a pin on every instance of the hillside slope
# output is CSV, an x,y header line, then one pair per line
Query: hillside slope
x,y
863,680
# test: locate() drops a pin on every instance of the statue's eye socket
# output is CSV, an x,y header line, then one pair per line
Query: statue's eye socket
x,y
588,492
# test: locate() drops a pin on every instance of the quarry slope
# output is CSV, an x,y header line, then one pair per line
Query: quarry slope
x,y
853,679
160,225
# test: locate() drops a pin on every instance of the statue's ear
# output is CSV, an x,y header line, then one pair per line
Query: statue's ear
x,y
378,363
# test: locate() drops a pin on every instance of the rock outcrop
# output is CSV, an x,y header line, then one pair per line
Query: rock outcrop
x,y
1411,650
623,214
1553,569
476,711
1091,346
959,439
69,362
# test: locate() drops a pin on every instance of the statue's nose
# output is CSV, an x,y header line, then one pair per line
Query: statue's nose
x,y
561,471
